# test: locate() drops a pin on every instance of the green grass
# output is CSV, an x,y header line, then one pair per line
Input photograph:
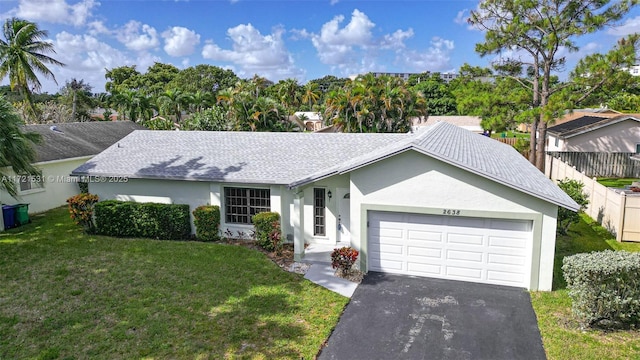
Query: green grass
x,y
615,182
67,295
561,334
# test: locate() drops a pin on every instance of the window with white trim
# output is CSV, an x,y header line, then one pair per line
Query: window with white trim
x,y
319,215
242,203
637,148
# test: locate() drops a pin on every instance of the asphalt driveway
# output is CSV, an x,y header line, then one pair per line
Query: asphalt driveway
x,y
402,317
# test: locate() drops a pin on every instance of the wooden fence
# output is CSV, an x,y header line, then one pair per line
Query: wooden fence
x,y
615,209
616,165
509,141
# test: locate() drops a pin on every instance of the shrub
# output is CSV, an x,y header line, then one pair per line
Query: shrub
x,y
566,217
81,210
149,220
604,287
344,258
207,221
267,230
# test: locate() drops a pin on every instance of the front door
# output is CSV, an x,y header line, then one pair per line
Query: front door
x,y
344,216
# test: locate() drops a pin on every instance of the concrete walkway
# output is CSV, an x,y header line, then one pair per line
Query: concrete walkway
x,y
321,272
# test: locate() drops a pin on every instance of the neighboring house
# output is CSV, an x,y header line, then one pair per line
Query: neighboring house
x,y
64,147
443,203
471,123
311,120
588,133
574,114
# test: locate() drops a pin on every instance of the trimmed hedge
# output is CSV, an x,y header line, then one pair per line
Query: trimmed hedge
x,y
268,232
604,287
148,220
207,221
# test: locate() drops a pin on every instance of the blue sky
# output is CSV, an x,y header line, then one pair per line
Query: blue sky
x,y
275,39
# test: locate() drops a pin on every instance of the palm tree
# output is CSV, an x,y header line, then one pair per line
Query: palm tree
x,y
202,100
15,147
311,94
22,55
289,93
174,101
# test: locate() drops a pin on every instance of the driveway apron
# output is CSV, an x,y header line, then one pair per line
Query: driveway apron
x,y
403,317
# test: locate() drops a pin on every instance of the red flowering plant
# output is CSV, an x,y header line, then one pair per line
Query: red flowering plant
x,y
344,258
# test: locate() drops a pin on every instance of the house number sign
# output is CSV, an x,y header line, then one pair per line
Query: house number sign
x,y
450,212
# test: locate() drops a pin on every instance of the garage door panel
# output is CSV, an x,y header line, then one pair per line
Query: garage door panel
x,y
519,226
505,278
454,255
482,250
508,242
424,251
464,239
498,259
391,249
394,265
466,273
424,269
390,233
424,235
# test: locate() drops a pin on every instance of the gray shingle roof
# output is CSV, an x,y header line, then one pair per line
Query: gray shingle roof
x,y
71,140
295,159
472,152
277,158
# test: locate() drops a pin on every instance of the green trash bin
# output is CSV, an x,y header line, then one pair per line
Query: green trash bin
x,y
22,214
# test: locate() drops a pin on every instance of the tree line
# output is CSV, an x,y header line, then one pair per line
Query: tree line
x,y
529,39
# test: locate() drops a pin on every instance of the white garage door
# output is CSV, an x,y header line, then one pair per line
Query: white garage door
x,y
493,251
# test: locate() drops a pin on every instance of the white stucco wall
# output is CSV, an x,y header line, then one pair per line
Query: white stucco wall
x,y
58,186
194,193
552,141
620,137
413,182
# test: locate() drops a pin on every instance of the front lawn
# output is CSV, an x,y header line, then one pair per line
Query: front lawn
x,y
64,294
562,337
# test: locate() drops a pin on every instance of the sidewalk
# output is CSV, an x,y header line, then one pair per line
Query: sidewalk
x,y
321,272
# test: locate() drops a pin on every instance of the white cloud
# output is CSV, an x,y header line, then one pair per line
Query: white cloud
x,y
180,41
629,27
97,28
436,58
255,54
86,57
333,2
55,11
462,17
353,48
396,40
136,36
335,45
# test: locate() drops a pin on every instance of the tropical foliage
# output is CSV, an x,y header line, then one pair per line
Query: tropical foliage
x,y
23,55
16,149
541,30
